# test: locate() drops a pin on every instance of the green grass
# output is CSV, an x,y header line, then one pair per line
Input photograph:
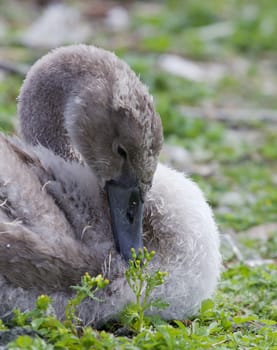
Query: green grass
x,y
243,315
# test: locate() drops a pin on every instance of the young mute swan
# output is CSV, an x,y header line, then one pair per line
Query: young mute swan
x,y
85,186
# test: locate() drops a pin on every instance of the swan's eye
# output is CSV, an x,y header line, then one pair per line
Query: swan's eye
x,y
121,151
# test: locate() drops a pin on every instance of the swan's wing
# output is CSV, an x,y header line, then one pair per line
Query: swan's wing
x,y
23,196
27,261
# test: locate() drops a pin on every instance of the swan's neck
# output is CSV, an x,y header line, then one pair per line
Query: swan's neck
x,y
53,83
41,110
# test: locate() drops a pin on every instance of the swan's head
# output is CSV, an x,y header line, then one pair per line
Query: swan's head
x,y
111,120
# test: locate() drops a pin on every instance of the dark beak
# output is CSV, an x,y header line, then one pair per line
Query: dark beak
x,y
126,208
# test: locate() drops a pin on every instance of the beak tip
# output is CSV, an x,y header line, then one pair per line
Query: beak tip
x,y
127,253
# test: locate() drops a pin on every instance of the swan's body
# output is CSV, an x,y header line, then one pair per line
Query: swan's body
x,y
55,221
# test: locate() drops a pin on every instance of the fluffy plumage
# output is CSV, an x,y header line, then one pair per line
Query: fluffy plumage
x,y
54,216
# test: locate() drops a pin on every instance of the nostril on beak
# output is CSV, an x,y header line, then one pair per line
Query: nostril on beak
x,y
132,207
130,215
131,211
